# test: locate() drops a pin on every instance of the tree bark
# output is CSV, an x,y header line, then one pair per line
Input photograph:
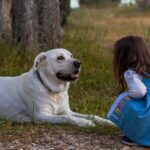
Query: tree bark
x,y
5,18
64,11
144,3
23,21
49,28
36,23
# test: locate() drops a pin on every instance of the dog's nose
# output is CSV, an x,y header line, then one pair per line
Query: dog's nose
x,y
77,64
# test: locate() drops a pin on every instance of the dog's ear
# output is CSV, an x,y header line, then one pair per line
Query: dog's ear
x,y
40,59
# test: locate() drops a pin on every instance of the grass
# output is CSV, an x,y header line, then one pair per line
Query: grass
x,y
89,35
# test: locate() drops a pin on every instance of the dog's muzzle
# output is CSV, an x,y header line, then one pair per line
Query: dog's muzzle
x,y
70,77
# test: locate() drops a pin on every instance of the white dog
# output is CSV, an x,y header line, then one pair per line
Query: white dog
x,y
41,94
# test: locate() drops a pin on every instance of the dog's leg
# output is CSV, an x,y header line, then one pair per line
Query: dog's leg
x,y
59,119
94,118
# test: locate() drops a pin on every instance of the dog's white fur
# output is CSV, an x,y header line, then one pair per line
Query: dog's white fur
x,y
25,98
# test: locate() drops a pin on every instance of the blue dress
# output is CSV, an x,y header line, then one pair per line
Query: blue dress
x,y
132,116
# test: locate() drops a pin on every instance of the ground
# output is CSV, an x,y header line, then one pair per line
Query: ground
x,y
89,35
66,140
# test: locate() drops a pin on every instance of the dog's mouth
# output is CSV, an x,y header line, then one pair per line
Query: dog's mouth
x,y
68,77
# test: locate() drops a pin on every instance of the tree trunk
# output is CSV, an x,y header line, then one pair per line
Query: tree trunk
x,y
36,23
23,21
49,28
64,11
5,18
144,3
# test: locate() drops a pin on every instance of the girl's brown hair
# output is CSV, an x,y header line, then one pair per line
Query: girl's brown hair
x,y
130,52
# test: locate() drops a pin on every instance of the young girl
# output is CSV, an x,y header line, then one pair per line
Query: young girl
x,y
131,111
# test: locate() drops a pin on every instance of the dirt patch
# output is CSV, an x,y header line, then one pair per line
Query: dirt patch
x,y
65,140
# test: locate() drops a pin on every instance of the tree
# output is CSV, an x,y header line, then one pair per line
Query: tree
x,y
33,23
144,3
36,23
64,11
23,21
5,18
49,30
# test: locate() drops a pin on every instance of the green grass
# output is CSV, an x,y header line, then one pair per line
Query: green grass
x,y
89,35
87,95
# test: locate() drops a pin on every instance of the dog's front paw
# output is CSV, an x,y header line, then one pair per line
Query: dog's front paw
x,y
100,120
87,123
84,122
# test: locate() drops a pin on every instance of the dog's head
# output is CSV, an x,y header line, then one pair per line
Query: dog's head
x,y
57,66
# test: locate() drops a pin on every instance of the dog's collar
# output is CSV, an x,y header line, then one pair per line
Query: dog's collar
x,y
41,80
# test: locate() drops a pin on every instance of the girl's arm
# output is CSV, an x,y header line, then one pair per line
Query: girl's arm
x,y
136,87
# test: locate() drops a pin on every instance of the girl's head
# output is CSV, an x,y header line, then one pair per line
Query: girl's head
x,y
130,52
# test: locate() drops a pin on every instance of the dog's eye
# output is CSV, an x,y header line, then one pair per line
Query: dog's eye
x,y
61,58
71,56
